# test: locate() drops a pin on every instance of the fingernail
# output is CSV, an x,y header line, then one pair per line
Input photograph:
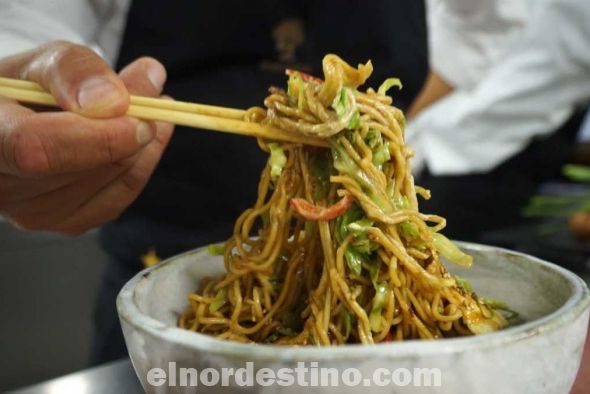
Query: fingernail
x,y
156,75
145,133
97,92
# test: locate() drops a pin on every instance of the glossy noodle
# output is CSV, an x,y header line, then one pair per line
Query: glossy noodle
x,y
335,249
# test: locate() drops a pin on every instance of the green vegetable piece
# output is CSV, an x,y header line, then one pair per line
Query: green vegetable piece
x,y
378,301
500,305
340,102
354,260
388,84
464,283
451,251
355,121
347,319
277,160
216,249
577,172
408,229
219,301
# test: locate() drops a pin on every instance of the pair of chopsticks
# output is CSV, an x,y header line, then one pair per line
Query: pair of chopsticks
x,y
210,117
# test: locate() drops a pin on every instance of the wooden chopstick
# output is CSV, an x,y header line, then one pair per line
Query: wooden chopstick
x,y
210,117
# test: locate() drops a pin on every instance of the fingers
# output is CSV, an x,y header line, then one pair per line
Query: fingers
x,y
145,76
94,198
43,144
119,194
79,79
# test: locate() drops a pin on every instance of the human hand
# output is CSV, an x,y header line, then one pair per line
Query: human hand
x,y
74,170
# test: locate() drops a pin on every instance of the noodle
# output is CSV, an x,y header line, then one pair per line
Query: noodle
x,y
334,249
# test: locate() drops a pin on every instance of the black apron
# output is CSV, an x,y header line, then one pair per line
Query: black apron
x,y
214,52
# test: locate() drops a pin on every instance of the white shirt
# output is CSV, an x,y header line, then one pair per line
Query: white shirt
x,y
519,67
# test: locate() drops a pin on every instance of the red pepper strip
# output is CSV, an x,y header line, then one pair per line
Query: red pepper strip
x,y
306,77
388,337
311,211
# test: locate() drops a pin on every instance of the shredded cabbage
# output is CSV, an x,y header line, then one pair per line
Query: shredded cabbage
x,y
277,160
451,251
216,249
219,300
388,84
378,301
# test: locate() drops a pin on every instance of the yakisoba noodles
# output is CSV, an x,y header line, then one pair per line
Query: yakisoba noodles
x,y
335,249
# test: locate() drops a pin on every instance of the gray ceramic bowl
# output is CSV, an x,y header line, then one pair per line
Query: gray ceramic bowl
x,y
540,355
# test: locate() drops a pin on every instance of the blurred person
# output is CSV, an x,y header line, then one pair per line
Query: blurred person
x,y
71,171
501,106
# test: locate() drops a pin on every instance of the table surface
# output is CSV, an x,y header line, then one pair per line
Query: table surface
x,y
116,377
119,377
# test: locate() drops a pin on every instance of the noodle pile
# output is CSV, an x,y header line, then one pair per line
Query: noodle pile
x,y
335,249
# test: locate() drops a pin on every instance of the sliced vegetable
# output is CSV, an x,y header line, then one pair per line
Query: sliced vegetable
x,y
408,229
340,103
388,84
353,214
374,270
380,149
451,251
359,227
219,300
401,202
378,301
354,260
311,211
346,165
277,160
500,305
306,77
355,121
216,249
464,283
346,317
577,172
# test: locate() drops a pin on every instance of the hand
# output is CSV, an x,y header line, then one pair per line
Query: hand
x,y
71,171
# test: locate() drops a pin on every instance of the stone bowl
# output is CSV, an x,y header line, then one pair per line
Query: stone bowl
x,y
540,354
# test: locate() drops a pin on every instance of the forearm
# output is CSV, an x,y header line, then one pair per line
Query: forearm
x,y
434,89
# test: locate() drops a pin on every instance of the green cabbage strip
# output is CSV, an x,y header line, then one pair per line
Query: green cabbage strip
x,y
380,149
219,300
500,305
347,319
378,301
464,283
277,160
389,83
340,103
346,165
451,251
360,248
296,90
577,172
216,249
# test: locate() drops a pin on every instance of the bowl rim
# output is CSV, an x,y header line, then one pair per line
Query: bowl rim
x,y
575,305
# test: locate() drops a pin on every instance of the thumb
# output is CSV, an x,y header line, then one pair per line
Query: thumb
x,y
79,79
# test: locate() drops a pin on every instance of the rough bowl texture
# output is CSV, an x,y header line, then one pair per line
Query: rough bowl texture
x,y
539,355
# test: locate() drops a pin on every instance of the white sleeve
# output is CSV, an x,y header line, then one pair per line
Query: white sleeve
x,y
475,31
25,24
529,93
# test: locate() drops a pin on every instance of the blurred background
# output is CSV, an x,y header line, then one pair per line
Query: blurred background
x,y
532,195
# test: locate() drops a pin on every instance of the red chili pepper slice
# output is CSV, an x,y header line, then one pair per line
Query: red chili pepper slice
x,y
311,211
306,77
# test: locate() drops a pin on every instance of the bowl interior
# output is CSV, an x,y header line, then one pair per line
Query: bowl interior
x,y
532,288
